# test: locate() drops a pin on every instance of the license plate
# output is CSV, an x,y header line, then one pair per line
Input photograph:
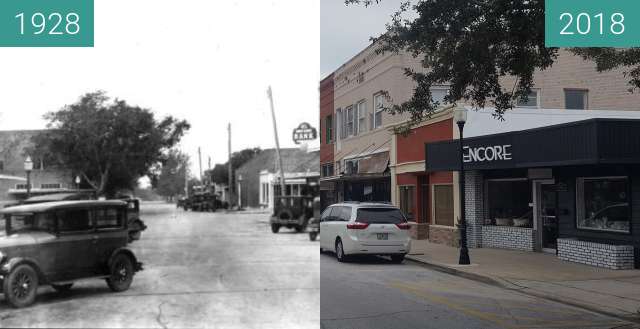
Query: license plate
x,y
383,236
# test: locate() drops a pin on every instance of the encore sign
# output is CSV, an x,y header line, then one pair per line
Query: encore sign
x,y
304,132
487,153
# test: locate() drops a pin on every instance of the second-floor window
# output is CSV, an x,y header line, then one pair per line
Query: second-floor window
x,y
328,129
327,170
349,123
378,103
533,101
361,114
576,99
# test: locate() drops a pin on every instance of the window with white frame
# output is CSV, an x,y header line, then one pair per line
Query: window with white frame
x,y
349,121
532,101
576,99
361,114
339,129
378,103
438,93
603,204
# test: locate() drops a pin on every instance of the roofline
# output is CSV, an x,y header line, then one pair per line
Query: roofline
x,y
48,206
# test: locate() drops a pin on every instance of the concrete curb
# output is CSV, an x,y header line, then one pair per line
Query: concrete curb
x,y
505,284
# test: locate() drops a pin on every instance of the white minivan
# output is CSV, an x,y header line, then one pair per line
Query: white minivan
x,y
364,229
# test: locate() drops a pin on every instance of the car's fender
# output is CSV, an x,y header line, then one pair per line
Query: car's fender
x,y
12,263
137,265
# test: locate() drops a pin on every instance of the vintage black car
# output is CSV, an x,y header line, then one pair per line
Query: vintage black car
x,y
58,243
314,222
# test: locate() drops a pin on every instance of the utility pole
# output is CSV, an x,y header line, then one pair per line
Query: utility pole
x,y
275,131
230,178
200,163
186,179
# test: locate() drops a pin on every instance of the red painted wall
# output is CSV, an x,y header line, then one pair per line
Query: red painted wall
x,y
326,108
411,148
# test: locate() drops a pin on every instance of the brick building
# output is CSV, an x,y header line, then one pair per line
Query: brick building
x,y
372,163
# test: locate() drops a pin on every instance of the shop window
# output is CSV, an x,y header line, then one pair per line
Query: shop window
x,y
407,200
51,186
532,101
603,204
443,205
575,99
327,170
508,203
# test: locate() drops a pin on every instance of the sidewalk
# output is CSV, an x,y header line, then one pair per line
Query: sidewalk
x,y
612,292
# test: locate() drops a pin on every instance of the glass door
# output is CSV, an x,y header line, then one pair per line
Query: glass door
x,y
548,210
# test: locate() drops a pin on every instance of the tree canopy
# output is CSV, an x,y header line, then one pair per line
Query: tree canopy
x,y
171,179
470,44
108,143
220,172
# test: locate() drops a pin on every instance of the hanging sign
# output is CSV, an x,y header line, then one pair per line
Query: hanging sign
x,y
304,132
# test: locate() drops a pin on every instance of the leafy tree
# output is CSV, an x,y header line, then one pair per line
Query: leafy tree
x,y
220,172
171,179
471,44
110,144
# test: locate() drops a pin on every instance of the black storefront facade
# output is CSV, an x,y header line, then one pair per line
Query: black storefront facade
x,y
571,189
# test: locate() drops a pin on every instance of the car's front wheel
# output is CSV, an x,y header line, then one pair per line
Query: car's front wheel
x,y
275,228
62,287
121,273
313,236
21,286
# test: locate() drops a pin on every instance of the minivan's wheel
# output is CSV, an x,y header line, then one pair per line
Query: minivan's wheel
x,y
62,287
275,228
313,236
340,251
21,286
397,258
121,272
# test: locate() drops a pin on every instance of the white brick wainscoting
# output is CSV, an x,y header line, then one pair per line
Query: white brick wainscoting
x,y
508,237
616,257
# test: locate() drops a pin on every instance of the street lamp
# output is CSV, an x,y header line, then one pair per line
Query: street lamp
x,y
78,180
28,166
460,117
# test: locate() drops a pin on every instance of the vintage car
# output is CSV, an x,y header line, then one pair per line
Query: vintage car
x,y
58,243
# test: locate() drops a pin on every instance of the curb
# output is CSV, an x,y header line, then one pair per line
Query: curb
x,y
501,283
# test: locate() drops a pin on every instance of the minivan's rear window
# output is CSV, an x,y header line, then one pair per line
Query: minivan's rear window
x,y
380,216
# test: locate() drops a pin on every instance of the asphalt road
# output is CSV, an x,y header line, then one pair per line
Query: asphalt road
x,y
374,293
202,270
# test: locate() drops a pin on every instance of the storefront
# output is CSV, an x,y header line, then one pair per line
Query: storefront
x,y
572,189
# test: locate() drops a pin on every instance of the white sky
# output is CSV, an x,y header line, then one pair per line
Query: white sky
x,y
209,62
346,30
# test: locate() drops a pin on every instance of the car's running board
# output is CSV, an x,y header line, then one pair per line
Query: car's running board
x,y
59,283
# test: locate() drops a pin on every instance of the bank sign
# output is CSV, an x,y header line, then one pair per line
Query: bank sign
x,y
487,153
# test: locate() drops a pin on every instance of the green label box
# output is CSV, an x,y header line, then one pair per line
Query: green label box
x,y
592,23
46,23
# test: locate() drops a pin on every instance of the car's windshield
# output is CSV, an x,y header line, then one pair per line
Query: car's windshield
x,y
30,222
380,216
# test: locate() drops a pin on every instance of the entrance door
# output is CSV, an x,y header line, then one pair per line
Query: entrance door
x,y
548,210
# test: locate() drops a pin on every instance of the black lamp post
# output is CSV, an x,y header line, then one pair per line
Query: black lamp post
x,y
78,181
460,117
28,166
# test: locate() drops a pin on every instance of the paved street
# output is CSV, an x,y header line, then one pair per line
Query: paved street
x,y
211,270
374,293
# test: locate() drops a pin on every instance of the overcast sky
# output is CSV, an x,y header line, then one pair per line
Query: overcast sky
x,y
346,30
209,62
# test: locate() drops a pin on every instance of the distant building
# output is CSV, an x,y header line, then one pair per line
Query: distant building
x,y
44,179
257,180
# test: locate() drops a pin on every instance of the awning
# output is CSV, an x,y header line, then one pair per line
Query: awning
x,y
8,177
374,164
593,141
